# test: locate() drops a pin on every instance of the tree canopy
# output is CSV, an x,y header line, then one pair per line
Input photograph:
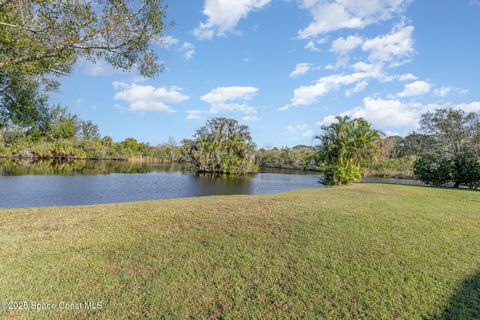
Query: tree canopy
x,y
43,38
346,147
48,36
222,146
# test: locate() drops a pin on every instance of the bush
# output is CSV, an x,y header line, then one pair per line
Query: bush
x,y
433,169
342,174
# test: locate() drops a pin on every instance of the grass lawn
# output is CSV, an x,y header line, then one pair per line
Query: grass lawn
x,y
367,251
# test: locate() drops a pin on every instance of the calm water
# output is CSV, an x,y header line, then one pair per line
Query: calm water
x,y
43,184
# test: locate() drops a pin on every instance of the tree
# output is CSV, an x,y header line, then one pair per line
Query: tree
x,y
347,147
452,154
452,131
433,169
49,36
21,103
41,38
88,130
222,146
59,124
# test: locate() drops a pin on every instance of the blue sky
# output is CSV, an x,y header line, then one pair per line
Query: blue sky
x,y
285,67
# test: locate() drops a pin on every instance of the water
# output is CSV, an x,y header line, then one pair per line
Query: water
x,y
24,184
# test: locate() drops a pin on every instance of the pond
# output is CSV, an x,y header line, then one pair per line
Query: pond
x,y
41,184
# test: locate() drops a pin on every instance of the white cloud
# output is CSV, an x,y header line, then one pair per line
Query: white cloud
x,y
443,91
148,98
359,87
392,113
343,46
469,107
194,114
231,99
250,118
300,129
314,43
392,47
99,68
416,88
407,77
331,15
167,41
300,69
188,50
306,95
224,15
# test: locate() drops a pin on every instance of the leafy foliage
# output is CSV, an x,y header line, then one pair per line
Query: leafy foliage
x,y
222,146
45,36
299,157
433,169
347,147
453,154
466,170
41,38
452,131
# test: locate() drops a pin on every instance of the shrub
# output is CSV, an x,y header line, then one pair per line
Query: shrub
x,y
433,169
342,174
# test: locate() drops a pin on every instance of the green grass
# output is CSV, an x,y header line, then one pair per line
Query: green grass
x,y
366,251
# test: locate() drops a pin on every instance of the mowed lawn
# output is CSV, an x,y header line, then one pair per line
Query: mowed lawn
x,y
366,251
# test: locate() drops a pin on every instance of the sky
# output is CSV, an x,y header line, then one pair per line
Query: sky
x,y
287,67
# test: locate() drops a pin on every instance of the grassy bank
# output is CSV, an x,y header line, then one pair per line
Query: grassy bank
x,y
361,252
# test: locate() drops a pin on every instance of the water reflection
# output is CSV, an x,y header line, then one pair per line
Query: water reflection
x,y
14,167
26,184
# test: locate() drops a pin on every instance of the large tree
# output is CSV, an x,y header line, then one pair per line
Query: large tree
x,y
452,131
48,36
347,147
222,146
40,39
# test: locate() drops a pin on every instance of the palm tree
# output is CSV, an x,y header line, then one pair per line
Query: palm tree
x,y
347,147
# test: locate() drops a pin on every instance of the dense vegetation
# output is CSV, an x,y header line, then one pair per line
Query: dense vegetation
x,y
300,157
347,147
404,253
452,154
222,146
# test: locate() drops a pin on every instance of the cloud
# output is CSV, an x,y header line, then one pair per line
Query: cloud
x,y
306,95
343,46
442,91
332,15
359,87
468,107
224,15
194,114
99,68
407,77
300,69
231,99
167,41
314,43
188,50
416,88
300,129
392,113
398,44
148,98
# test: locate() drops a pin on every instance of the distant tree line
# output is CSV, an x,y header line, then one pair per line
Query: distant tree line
x,y
299,157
